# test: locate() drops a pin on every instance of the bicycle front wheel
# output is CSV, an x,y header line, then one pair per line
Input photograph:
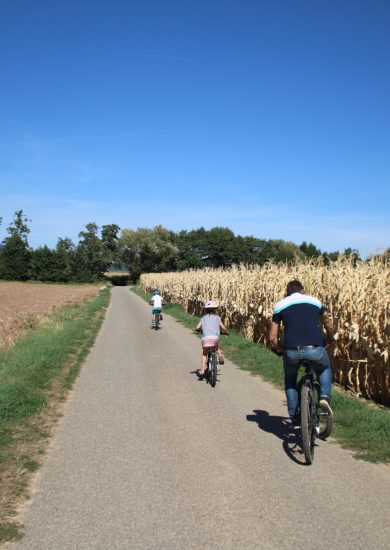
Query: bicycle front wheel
x,y
307,423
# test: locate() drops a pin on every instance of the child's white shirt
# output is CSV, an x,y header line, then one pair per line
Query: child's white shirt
x,y
157,301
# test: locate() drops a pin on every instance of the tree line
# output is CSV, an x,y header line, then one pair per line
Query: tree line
x,y
139,251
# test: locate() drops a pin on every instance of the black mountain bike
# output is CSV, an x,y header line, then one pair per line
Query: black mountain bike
x,y
314,421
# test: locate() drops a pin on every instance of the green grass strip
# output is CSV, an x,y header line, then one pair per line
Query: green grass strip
x,y
53,352
358,424
28,368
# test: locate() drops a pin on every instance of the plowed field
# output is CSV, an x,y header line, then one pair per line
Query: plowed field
x,y
24,305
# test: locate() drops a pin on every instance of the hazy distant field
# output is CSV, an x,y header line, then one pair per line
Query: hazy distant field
x,y
23,305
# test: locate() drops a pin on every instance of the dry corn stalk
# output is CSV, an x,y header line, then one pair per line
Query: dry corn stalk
x,y
358,298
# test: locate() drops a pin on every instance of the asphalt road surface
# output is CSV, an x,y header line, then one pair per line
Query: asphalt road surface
x,y
148,457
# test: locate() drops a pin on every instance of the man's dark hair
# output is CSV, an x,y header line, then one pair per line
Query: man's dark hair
x,y
294,286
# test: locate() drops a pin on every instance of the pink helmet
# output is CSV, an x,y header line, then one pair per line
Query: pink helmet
x,y
211,304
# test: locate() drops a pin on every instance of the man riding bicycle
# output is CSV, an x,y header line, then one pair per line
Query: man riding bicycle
x,y
301,315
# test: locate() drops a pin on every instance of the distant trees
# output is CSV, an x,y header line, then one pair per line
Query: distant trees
x,y
141,250
85,262
310,250
220,247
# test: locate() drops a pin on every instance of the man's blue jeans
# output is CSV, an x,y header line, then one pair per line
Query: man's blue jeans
x,y
319,361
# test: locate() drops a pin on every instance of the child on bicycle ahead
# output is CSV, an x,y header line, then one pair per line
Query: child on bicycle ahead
x,y
211,326
157,303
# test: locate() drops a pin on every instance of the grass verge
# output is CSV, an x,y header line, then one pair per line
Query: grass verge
x,y
35,374
358,425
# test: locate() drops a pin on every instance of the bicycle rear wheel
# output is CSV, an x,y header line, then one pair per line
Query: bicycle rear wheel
x,y
157,321
308,423
213,370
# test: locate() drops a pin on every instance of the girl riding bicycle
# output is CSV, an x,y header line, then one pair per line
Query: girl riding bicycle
x,y
211,326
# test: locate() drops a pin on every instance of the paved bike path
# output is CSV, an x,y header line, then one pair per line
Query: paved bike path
x,y
148,457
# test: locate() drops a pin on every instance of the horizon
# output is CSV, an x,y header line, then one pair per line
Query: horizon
x,y
76,240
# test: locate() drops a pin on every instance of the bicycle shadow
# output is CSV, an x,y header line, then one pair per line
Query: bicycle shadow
x,y
198,375
203,378
281,428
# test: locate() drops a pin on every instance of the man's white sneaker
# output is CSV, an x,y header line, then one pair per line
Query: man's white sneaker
x,y
325,406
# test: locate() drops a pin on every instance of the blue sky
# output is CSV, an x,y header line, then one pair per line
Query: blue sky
x,y
268,117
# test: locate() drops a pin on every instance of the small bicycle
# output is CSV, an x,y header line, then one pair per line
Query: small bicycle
x,y
211,367
157,321
212,362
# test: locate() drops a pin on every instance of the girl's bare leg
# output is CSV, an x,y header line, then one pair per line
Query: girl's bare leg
x,y
221,357
203,363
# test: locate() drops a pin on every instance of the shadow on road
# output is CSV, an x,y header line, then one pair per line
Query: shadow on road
x,y
203,378
281,428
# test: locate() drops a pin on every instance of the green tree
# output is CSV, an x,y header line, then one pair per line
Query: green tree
x,y
191,248
310,250
147,250
216,247
109,240
91,262
55,265
283,251
16,254
44,264
66,260
222,247
19,226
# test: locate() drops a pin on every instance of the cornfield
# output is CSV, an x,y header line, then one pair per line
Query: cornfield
x,y
357,297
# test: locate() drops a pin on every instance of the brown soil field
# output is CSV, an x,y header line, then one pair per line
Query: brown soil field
x,y
24,305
